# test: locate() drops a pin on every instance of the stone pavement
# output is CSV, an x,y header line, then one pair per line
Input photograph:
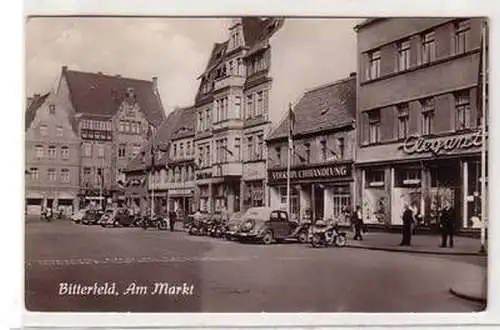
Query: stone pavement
x,y
425,244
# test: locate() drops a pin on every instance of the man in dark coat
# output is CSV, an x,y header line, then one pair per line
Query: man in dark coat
x,y
357,221
172,217
407,224
446,224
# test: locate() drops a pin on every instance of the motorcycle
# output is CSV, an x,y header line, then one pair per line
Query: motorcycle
x,y
156,222
324,235
216,229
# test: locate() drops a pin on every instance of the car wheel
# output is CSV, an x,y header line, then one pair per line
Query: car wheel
x,y
315,242
162,225
116,224
303,237
268,237
340,241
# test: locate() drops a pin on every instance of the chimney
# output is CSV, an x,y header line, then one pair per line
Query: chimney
x,y
352,74
155,84
65,68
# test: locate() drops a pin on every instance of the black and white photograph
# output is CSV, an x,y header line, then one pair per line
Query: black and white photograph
x,y
248,164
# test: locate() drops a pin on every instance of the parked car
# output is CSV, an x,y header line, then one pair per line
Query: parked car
x,y
266,225
109,218
91,217
78,216
231,227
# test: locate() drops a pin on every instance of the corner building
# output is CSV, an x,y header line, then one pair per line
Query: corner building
x,y
322,174
419,124
232,118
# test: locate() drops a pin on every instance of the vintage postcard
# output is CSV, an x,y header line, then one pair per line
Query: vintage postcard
x,y
256,164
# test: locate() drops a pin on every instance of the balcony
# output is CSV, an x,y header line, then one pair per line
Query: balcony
x,y
229,81
227,169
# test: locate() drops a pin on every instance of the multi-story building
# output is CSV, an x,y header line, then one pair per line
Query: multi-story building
x,y
113,116
52,153
321,164
418,138
232,118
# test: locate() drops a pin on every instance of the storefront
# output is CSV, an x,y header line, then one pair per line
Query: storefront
x,y
253,194
426,173
316,191
181,200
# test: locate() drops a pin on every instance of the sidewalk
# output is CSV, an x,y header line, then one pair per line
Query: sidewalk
x,y
472,286
425,244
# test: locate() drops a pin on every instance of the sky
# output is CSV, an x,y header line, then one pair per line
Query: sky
x,y
305,53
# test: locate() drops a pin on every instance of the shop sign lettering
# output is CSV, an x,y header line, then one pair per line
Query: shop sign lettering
x,y
203,175
440,145
323,172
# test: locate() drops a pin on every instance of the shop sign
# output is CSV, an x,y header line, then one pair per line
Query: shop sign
x,y
441,145
333,171
203,175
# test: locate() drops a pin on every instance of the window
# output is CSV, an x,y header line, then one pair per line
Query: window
x,y
64,152
278,154
86,172
323,149
428,47
407,177
260,103
59,131
208,123
237,107
175,150
52,152
462,108
250,150
122,150
65,175
181,149
52,174
135,150
249,112
52,109
39,151
260,147
100,150
188,148
200,120
461,37
374,65
427,115
403,120
403,55
43,130
341,147
307,156
374,126
237,148
34,174
375,178
207,156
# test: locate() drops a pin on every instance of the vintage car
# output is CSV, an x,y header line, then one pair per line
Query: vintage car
x,y
231,227
78,216
91,217
266,225
117,217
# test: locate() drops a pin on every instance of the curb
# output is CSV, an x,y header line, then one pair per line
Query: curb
x,y
376,248
467,296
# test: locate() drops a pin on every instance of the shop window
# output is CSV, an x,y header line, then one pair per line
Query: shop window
x,y
294,200
408,177
374,126
462,110
427,115
403,56
375,178
403,120
428,47
341,203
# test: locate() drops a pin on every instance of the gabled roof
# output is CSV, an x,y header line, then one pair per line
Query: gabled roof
x,y
162,138
186,125
326,107
32,107
100,94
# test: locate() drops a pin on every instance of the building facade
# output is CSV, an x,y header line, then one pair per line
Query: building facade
x,y
113,116
419,138
232,118
52,153
322,174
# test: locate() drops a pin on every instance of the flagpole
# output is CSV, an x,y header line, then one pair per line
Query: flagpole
x,y
288,165
483,140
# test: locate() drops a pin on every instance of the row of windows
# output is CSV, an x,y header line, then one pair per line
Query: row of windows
x,y
426,52
179,152
174,175
304,154
44,129
256,64
97,176
96,125
64,174
122,151
462,117
89,134
87,150
130,127
51,152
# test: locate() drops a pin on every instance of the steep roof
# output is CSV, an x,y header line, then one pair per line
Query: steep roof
x,y
186,125
32,107
326,107
100,94
162,138
366,22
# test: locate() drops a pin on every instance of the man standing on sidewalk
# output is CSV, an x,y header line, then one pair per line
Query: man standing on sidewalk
x,y
357,219
407,223
446,224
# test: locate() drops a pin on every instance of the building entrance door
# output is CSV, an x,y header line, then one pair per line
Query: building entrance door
x,y
319,202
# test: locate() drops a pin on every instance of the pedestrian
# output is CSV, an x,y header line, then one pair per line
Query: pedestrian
x,y
407,226
172,217
446,224
357,220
